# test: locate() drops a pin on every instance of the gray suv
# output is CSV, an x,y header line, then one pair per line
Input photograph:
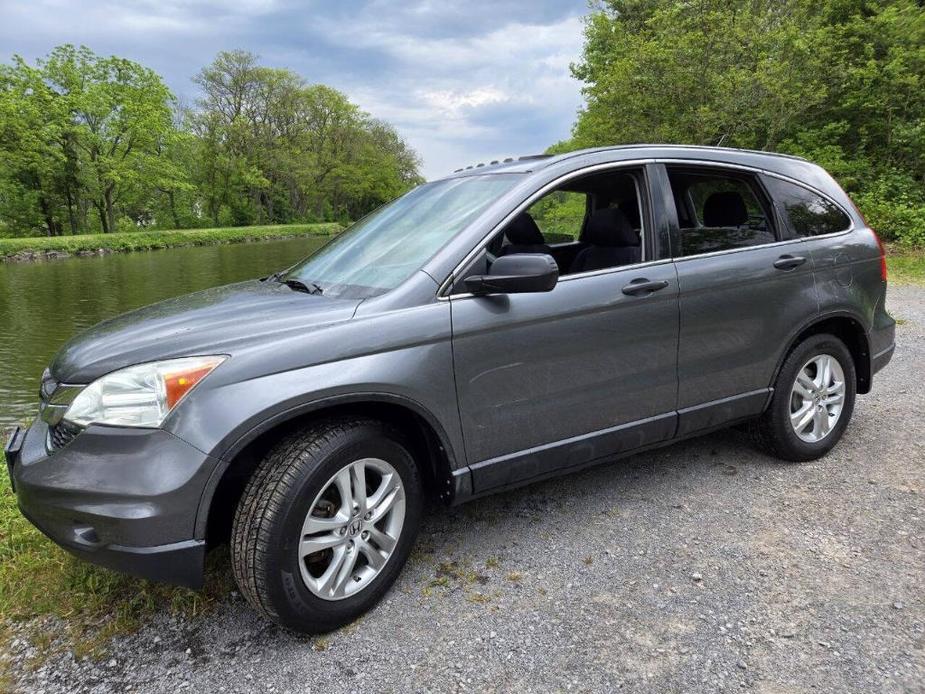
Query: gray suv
x,y
502,325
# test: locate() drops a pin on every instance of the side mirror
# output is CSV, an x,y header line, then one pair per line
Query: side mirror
x,y
516,274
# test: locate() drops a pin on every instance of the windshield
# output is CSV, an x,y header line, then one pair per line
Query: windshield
x,y
385,248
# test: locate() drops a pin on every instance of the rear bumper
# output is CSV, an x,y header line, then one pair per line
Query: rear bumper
x,y
882,337
120,498
878,361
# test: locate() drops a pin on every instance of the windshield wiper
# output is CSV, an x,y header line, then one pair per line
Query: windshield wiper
x,y
300,286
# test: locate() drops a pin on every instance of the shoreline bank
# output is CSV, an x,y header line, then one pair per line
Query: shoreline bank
x,y
42,248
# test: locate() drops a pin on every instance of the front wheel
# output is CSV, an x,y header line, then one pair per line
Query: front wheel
x,y
326,523
813,400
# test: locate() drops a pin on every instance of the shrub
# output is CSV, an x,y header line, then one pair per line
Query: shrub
x,y
894,205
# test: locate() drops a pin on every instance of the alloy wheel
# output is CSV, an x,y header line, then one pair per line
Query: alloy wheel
x,y
351,529
817,398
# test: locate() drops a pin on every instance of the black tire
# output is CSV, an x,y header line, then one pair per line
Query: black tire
x,y
268,521
773,431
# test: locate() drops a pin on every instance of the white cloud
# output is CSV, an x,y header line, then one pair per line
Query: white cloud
x,y
452,102
106,19
444,85
462,82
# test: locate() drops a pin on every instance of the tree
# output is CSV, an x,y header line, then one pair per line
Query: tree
x,y
838,81
78,131
119,120
33,141
90,143
275,149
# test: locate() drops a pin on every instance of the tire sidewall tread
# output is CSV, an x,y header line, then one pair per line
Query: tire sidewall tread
x,y
773,431
273,507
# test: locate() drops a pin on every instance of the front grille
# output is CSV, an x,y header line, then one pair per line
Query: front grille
x,y
61,434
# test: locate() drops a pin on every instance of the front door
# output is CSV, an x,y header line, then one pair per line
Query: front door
x,y
555,380
550,381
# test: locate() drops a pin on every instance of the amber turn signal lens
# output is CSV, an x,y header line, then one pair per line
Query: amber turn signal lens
x,y
179,383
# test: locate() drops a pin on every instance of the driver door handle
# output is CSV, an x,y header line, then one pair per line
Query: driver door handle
x,y
788,262
642,286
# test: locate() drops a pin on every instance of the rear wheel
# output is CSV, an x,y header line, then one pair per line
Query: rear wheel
x,y
326,523
812,403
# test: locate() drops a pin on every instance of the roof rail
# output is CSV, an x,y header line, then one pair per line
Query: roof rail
x,y
507,160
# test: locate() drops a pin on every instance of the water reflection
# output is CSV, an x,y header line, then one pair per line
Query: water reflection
x,y
43,304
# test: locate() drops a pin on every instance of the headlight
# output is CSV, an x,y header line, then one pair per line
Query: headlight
x,y
139,396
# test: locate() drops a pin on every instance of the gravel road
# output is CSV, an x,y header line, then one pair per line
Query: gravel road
x,y
705,566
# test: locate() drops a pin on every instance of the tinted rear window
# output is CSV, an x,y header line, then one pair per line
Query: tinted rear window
x,y
717,211
807,213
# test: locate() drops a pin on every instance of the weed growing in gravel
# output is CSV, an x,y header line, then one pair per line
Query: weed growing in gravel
x,y
478,598
452,574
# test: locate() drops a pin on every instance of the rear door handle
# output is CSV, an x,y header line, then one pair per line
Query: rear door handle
x,y
788,262
643,286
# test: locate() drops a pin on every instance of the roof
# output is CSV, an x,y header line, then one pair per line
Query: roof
x,y
536,162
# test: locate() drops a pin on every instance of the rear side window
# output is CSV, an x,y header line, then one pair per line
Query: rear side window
x,y
807,213
718,211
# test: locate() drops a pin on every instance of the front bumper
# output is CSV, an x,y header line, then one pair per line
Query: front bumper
x,y
122,498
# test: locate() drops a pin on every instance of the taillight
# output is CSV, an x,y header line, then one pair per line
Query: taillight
x,y
882,256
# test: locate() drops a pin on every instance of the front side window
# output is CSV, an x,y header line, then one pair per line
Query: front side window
x,y
718,211
560,215
808,213
590,223
385,248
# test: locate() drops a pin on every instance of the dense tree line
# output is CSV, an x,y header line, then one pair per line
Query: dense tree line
x,y
841,82
95,144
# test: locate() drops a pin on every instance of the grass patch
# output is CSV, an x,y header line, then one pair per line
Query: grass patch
x,y
38,579
41,246
906,267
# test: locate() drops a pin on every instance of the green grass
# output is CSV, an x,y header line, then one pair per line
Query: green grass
x,y
906,267
23,248
38,579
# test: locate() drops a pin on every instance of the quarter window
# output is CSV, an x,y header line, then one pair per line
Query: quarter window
x,y
717,212
807,213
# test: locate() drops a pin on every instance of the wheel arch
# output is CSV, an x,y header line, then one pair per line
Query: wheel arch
x,y
849,328
426,437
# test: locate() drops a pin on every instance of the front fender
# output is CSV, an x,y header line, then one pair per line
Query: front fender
x,y
403,357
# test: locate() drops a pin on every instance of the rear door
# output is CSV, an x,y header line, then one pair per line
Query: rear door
x,y
744,289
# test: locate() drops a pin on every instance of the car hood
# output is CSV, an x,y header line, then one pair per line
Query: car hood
x,y
215,321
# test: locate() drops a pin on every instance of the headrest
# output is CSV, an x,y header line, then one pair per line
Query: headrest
x,y
630,208
609,227
523,231
726,209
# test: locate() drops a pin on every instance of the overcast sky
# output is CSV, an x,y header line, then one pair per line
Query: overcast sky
x,y
464,81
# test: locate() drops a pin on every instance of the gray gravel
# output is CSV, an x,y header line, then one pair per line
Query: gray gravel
x,y
705,566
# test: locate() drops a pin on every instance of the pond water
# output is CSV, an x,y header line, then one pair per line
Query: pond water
x,y
43,304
